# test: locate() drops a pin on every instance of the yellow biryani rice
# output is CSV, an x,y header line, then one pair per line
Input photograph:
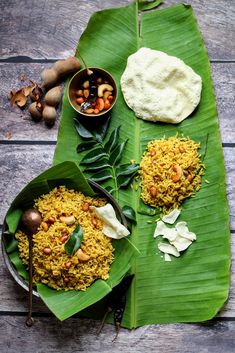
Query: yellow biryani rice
x,y
171,171
54,267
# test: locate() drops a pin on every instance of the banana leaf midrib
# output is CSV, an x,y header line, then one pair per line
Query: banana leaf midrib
x,y
137,155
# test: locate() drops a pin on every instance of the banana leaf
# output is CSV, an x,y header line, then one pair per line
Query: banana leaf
x,y
64,304
195,286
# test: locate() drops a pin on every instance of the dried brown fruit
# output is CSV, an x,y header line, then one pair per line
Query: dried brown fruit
x,y
53,96
49,115
27,90
18,98
37,93
35,110
58,70
11,94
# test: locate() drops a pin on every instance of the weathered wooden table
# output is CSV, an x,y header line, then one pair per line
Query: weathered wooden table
x,y
33,34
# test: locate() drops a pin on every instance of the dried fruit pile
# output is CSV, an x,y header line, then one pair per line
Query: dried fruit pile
x,y
44,102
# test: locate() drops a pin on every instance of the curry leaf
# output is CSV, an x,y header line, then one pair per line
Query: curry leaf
x,y
109,189
85,145
124,180
112,141
94,155
129,213
82,131
100,132
102,175
97,134
74,241
101,163
126,169
105,156
147,210
115,156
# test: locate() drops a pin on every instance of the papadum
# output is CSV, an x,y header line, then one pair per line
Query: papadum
x,y
160,87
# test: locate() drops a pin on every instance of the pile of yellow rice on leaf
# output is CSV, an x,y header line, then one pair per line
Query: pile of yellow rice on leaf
x,y
171,171
51,264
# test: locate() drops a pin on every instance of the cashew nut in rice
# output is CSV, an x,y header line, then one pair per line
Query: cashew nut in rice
x,y
178,174
82,256
69,220
104,87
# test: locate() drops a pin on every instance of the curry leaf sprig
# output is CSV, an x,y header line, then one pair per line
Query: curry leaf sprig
x,y
103,158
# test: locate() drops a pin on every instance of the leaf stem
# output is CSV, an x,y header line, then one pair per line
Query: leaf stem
x,y
115,183
115,189
83,61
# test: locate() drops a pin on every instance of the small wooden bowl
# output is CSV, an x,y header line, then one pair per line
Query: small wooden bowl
x,y
76,82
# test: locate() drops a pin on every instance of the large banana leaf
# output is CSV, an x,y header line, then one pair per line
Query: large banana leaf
x,y
64,304
195,286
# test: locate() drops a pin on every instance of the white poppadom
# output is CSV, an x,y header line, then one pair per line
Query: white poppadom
x,y
159,87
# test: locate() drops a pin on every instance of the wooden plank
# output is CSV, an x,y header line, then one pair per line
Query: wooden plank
x,y
45,29
18,125
229,308
19,165
229,156
80,335
223,77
